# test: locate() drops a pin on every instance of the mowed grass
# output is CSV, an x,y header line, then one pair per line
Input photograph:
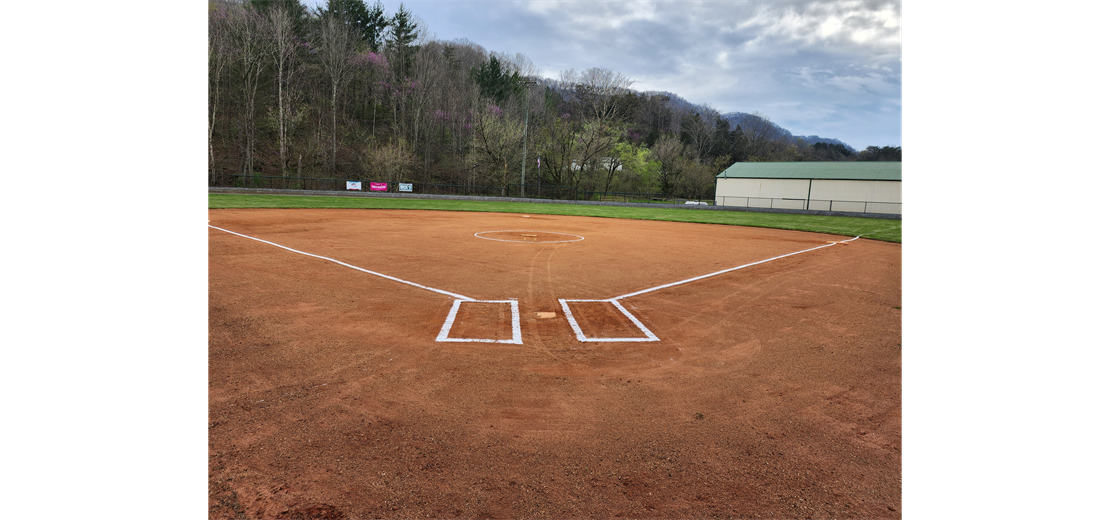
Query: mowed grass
x,y
873,228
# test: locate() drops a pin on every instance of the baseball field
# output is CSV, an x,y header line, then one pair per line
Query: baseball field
x,y
439,363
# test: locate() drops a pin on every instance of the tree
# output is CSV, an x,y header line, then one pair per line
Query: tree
x,y
698,179
336,45
248,40
369,22
699,132
830,152
369,66
668,151
296,10
602,94
593,145
497,140
556,145
760,137
281,46
494,83
376,26
219,55
401,41
624,159
388,162
886,153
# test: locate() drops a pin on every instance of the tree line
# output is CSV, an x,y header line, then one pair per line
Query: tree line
x,y
347,90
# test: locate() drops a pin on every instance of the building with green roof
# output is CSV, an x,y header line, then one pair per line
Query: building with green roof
x,y
852,187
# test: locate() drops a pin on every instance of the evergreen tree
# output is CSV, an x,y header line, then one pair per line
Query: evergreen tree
x,y
401,41
355,13
494,82
376,27
369,22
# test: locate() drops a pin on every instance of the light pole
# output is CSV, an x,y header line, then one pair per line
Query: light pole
x,y
528,83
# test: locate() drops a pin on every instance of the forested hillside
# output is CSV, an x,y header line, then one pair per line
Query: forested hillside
x,y
350,91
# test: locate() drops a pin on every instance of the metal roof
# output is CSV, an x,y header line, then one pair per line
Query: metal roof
x,y
848,170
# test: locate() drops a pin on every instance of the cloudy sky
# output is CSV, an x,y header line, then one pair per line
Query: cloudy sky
x,y
829,68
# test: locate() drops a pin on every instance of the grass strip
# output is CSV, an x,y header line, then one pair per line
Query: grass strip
x,y
873,228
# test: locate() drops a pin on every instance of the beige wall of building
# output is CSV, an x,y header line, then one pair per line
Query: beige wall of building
x,y
824,195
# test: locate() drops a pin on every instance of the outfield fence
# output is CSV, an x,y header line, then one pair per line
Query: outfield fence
x,y
530,191
843,206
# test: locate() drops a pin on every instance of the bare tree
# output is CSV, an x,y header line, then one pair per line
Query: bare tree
x,y
249,43
219,55
556,144
388,162
762,137
518,63
700,130
336,45
282,48
668,152
594,144
602,93
497,140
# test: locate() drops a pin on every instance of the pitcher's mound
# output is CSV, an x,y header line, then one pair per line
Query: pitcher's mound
x,y
540,237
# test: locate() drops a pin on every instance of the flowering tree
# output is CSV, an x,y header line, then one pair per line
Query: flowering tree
x,y
369,67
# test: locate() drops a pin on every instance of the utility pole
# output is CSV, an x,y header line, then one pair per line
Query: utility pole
x,y
528,83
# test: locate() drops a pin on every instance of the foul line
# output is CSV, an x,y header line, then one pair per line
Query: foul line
x,y
387,277
727,270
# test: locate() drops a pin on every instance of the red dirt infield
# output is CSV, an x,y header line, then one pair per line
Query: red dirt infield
x,y
773,391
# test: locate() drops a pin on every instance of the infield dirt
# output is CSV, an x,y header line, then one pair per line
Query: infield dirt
x,y
774,391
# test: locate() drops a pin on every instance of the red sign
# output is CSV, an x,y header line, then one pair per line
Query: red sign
x,y
379,186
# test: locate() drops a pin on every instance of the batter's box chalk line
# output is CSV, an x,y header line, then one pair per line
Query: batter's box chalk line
x,y
648,336
445,332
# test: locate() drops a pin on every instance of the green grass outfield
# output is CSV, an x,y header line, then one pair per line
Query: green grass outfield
x,y
873,228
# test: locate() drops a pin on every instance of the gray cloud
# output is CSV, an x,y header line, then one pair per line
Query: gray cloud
x,y
831,68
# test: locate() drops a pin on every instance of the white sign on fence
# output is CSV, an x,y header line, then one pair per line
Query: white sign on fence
x,y
404,187
354,185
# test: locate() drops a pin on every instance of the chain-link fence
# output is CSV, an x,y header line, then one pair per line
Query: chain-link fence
x,y
530,191
844,206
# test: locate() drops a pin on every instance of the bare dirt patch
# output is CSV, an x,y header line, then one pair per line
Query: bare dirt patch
x,y
774,391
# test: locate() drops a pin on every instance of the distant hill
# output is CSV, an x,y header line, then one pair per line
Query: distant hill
x,y
750,123
753,123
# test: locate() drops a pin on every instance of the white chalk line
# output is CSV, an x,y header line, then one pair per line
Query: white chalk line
x,y
579,239
450,322
517,336
648,336
704,276
387,277
459,299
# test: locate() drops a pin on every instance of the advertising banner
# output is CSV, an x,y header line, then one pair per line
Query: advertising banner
x,y
404,186
354,185
379,186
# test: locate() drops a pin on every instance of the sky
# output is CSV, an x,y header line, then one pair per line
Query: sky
x,y
827,68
